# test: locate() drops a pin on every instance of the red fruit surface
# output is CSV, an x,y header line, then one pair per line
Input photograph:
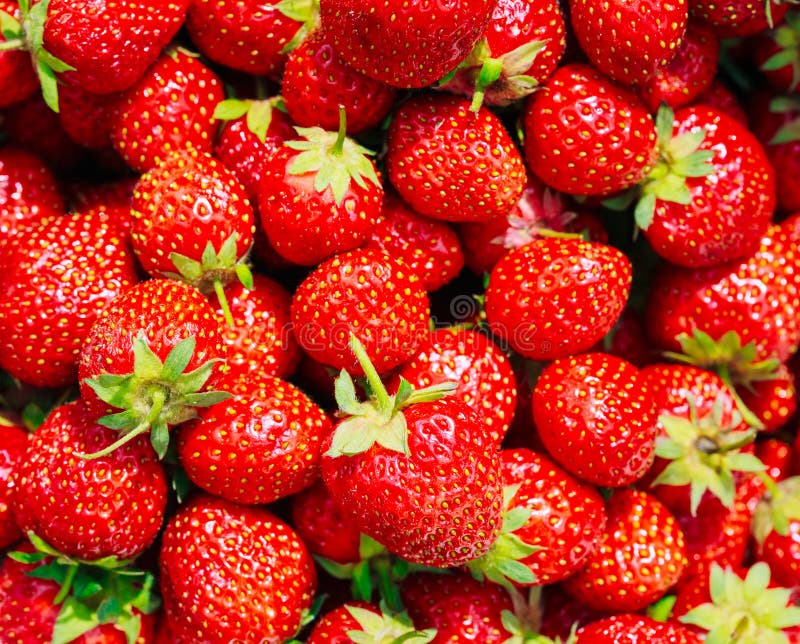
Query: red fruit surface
x,y
719,97
87,118
628,628
13,445
333,626
18,79
738,17
28,190
774,402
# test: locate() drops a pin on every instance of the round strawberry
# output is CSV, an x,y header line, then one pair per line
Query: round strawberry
x,y
584,135
249,571
28,190
556,297
14,442
634,629
448,162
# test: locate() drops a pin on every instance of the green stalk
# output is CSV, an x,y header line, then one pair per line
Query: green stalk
x,y
385,403
223,302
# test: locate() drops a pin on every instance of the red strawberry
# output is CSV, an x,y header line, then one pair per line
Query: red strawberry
x,y
777,54
14,442
395,463
586,136
594,416
629,42
448,162
772,401
486,381
87,118
557,297
628,339
316,84
109,507
776,530
366,292
720,98
406,44
248,570
56,275
28,190
776,454
18,79
113,194
634,629
170,108
641,555
739,17
261,445
365,621
562,612
250,36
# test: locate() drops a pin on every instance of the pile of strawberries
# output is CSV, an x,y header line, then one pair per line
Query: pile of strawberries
x,y
399,321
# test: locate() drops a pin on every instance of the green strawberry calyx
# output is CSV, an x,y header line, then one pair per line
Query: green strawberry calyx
x,y
214,270
335,159
790,131
379,420
704,453
525,621
680,158
745,611
779,506
92,593
787,38
305,12
157,394
257,113
386,627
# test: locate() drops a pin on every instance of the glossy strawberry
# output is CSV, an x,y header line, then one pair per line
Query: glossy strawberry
x,y
636,629
409,44
14,441
17,76
719,97
594,417
448,162
68,268
28,190
739,17
87,118
629,42
773,401
556,297
248,570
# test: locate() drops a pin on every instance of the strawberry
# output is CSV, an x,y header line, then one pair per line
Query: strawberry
x,y
112,194
720,98
14,441
367,292
712,194
636,629
171,107
556,297
28,190
688,74
628,339
430,248
629,42
316,83
739,17
250,36
150,354
777,54
586,136
18,79
776,454
109,507
773,401
87,118
368,623
776,531
593,415
202,563
405,44
261,445
448,162
563,614
56,275
641,555
486,381
379,463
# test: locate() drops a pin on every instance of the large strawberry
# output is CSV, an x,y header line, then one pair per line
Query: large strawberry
x,y
406,44
556,297
396,463
56,275
451,163
28,190
14,441
247,569
584,135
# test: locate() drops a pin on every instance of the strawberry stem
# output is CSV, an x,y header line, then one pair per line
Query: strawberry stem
x,y
67,585
385,403
338,146
748,416
223,301
769,483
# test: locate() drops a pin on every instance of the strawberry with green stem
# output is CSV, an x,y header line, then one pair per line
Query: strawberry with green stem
x,y
18,79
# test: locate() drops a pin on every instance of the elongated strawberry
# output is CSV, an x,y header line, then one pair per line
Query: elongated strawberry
x,y
448,162
14,441
556,297
28,190
636,629
406,44
57,275
262,598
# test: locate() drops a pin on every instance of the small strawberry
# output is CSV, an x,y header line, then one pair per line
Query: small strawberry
x,y
739,17
14,444
366,292
634,629
28,190
584,135
723,100
777,54
448,162
18,79
360,621
629,42
248,570
405,44
557,297
594,417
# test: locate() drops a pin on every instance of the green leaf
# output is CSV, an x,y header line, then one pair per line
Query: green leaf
x,y
394,435
47,79
109,610
369,547
351,437
195,380
207,398
178,359
645,211
686,144
259,118
74,619
53,571
788,133
145,363
515,518
345,393
297,10
10,27
159,438
335,569
189,269
131,625
362,581
231,109
56,64
124,420
227,254
27,557
516,572
244,275
781,59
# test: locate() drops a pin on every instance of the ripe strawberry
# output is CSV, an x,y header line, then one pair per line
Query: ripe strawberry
x,y
83,195
486,381
584,135
641,555
250,36
28,190
56,275
777,54
712,194
109,507
776,454
202,563
170,108
688,74
14,442
87,118
18,79
776,530
634,629
366,292
739,17
316,84
629,42
368,623
448,162
720,98
557,297
408,44
562,613
395,463
261,445
772,401
595,418
628,339
150,353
